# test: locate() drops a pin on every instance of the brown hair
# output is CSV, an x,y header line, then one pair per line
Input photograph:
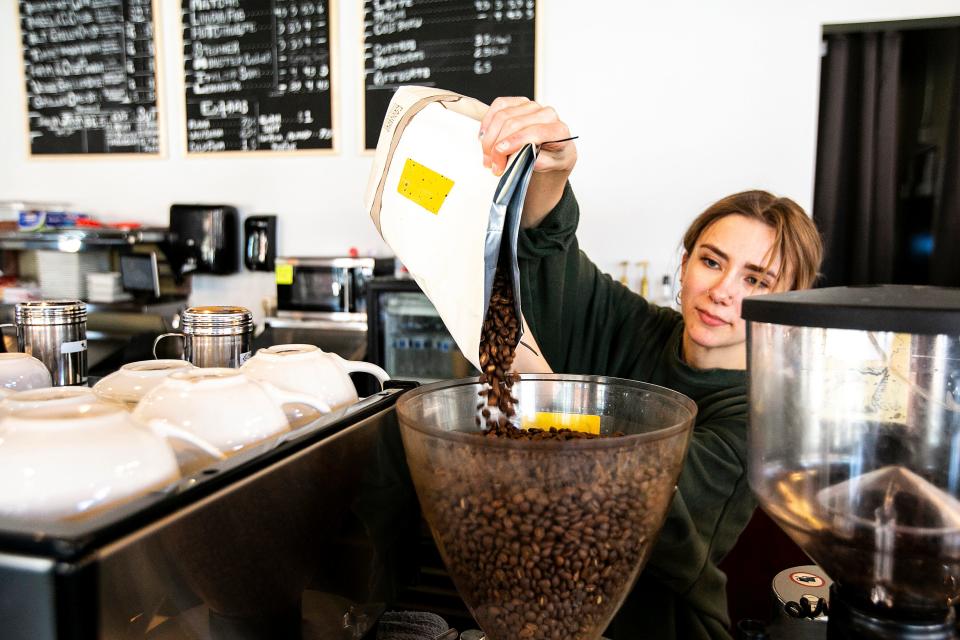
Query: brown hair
x,y
797,242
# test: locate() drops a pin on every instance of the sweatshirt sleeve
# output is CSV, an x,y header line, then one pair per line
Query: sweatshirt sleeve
x,y
556,232
585,322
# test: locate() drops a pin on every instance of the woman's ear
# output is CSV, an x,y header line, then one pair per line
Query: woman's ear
x,y
683,264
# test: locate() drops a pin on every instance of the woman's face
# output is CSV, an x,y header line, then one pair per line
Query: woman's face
x,y
725,266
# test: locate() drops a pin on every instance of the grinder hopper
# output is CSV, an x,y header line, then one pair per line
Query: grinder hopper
x,y
855,446
544,539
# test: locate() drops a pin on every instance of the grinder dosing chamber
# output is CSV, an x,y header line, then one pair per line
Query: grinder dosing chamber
x,y
854,446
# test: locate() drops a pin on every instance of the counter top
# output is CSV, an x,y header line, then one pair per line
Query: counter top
x,y
80,239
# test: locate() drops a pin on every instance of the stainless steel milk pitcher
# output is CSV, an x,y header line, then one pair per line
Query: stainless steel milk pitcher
x,y
214,336
55,332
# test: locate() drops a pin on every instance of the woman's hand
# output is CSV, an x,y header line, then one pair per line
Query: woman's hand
x,y
511,123
508,125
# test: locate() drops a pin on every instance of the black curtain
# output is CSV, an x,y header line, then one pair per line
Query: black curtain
x,y
945,261
855,196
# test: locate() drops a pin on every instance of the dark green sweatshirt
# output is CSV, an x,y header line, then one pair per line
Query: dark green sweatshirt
x,y
586,323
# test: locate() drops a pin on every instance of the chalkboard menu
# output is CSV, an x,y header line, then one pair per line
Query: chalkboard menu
x,y
257,75
90,76
480,48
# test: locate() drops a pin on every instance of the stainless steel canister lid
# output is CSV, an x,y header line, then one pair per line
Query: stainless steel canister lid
x,y
51,312
217,321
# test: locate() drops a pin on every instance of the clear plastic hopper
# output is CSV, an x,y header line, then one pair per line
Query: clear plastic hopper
x,y
855,441
544,539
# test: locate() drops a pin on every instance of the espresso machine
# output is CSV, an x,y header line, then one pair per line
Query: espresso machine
x,y
854,444
306,536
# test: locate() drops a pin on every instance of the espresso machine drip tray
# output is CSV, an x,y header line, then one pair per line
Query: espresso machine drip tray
x,y
300,538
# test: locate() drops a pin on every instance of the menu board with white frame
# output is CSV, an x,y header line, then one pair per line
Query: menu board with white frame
x,y
480,48
90,76
258,75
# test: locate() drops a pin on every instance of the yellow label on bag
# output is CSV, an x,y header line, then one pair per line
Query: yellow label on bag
x,y
572,421
424,186
284,273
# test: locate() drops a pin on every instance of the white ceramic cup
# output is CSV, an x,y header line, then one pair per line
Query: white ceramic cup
x,y
128,384
221,407
21,371
68,461
307,369
47,397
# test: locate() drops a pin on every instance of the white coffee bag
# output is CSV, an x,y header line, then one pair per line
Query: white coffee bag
x,y
446,216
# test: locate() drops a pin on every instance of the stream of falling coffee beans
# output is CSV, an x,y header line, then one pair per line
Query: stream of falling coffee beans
x,y
498,343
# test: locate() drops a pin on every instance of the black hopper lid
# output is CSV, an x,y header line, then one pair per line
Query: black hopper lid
x,y
887,307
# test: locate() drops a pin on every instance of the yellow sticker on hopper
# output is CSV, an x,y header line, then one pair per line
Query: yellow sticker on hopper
x,y
284,273
424,186
572,421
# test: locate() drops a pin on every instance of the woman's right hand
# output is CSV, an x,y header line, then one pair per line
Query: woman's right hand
x,y
512,122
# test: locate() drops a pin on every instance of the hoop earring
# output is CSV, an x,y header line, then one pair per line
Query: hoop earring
x,y
678,298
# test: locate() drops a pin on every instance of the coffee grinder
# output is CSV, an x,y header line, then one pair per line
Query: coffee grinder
x,y
855,449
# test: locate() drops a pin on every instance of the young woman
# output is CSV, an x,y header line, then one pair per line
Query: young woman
x,y
582,321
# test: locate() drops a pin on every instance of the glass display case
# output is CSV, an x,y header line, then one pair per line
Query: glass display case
x,y
406,335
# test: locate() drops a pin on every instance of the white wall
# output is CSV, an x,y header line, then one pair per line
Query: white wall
x,y
717,97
